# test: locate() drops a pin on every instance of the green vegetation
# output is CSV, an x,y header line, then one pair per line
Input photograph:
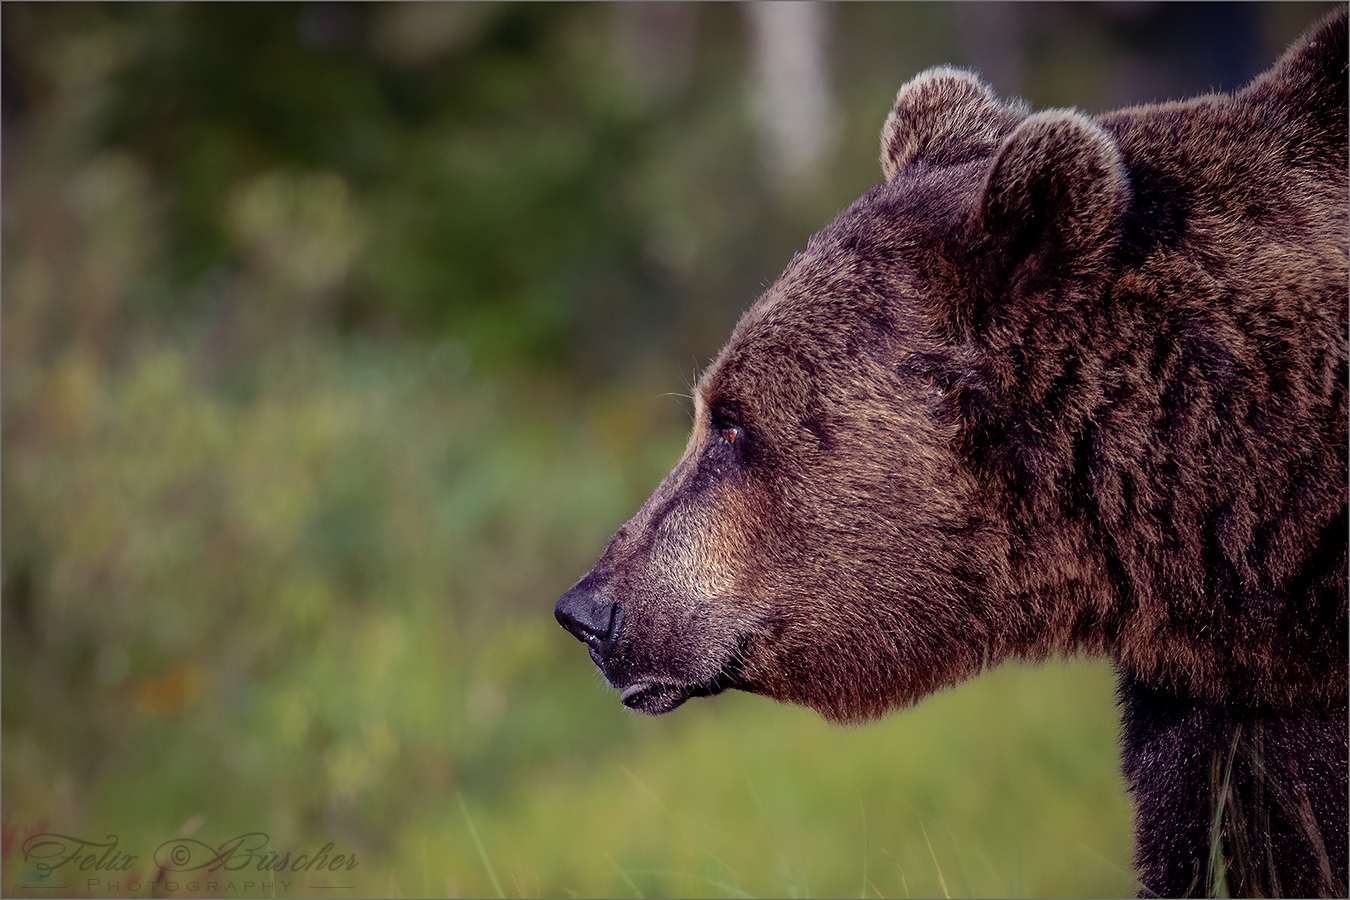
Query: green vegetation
x,y
336,341
333,616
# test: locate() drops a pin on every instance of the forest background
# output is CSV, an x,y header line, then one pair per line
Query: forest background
x,y
337,339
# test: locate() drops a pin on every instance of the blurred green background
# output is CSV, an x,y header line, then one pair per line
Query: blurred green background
x,y
337,339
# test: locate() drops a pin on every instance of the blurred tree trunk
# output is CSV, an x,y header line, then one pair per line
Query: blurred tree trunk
x,y
793,105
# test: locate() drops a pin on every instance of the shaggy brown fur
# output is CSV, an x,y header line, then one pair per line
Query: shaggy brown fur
x,y
1061,384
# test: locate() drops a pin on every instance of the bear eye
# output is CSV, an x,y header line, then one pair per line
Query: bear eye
x,y
730,434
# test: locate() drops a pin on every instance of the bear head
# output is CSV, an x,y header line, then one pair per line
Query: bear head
x,y
827,537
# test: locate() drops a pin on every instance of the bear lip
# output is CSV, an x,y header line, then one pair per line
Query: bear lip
x,y
654,698
657,698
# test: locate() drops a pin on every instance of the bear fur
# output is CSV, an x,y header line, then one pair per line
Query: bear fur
x,y
1062,384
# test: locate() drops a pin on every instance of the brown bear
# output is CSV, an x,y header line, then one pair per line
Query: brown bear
x,y
1062,384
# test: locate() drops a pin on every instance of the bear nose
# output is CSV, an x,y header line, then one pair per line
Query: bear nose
x,y
586,615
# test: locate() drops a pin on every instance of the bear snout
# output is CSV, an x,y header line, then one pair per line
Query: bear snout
x,y
657,653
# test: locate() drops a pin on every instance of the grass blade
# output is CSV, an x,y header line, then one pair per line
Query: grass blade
x,y
487,864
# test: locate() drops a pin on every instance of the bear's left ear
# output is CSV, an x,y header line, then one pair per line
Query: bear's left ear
x,y
945,116
1053,200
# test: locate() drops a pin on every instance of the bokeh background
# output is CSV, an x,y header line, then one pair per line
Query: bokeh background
x,y
337,339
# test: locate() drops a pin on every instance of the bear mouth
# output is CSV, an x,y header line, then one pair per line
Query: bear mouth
x,y
657,698
653,698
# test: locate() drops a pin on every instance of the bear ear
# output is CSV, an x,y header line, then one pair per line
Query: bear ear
x,y
1057,191
944,116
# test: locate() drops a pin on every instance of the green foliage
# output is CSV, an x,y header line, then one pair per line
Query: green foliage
x,y
321,611
514,170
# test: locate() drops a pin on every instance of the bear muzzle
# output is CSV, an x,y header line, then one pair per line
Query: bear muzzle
x,y
587,612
